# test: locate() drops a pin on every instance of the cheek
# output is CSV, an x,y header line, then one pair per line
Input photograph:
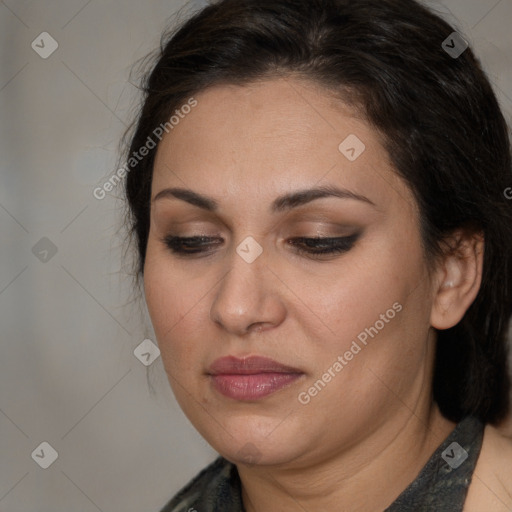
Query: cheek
x,y
373,298
352,295
175,304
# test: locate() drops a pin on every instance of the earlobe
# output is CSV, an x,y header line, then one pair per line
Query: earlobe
x,y
458,279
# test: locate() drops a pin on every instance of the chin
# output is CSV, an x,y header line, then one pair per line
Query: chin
x,y
250,454
251,444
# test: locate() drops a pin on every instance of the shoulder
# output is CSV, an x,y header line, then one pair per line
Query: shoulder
x,y
491,485
203,487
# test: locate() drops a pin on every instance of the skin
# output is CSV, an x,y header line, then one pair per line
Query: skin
x,y
375,422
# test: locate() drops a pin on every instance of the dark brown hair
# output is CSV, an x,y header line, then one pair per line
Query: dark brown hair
x,y
438,117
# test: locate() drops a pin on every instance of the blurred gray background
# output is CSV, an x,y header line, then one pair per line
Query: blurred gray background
x,y
68,373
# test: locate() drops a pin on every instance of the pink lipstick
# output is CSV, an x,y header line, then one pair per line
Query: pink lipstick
x,y
250,378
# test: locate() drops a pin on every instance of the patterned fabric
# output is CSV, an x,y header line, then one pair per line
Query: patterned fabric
x,y
441,485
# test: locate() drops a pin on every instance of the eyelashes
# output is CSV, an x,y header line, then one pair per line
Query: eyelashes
x,y
310,247
189,245
319,246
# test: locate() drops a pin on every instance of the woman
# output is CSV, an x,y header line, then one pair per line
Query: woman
x,y
316,190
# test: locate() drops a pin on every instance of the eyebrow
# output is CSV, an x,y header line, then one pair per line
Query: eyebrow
x,y
282,203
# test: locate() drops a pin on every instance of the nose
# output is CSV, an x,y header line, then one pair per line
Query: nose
x,y
248,298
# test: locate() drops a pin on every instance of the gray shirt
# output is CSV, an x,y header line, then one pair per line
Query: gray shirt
x,y
441,485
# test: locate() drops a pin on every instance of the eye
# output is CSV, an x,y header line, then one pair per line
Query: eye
x,y
190,245
320,246
312,247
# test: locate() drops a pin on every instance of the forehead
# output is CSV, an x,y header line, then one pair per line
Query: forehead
x,y
265,138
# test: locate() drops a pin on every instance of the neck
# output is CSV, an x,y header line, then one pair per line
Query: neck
x,y
369,476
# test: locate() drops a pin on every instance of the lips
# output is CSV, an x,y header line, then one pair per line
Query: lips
x,y
251,378
248,366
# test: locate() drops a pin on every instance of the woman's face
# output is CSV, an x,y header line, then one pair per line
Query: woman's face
x,y
354,324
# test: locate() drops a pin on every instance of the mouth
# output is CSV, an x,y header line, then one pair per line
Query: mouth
x,y
251,378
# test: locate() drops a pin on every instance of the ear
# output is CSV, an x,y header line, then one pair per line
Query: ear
x,y
458,278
